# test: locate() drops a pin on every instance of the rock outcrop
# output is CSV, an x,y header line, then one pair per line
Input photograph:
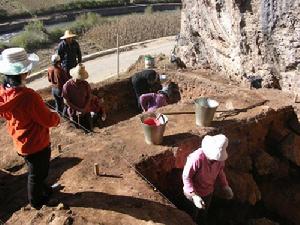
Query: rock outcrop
x,y
242,38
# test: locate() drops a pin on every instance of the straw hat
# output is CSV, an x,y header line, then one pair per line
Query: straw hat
x,y
214,147
15,61
68,34
55,58
79,72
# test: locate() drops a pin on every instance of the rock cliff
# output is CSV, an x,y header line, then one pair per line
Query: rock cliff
x,y
242,38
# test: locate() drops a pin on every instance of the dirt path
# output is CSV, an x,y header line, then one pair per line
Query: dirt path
x,y
105,67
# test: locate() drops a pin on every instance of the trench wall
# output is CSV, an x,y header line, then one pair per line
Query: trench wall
x,y
256,170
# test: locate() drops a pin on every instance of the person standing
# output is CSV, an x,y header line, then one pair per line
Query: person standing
x,y
69,51
204,169
28,121
57,77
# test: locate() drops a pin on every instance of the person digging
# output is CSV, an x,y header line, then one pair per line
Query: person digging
x,y
204,169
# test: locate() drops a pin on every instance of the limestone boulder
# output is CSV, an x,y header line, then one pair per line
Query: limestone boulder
x,y
243,38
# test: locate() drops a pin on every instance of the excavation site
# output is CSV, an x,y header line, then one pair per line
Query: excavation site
x,y
236,69
138,183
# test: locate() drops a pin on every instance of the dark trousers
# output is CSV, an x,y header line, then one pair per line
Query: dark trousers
x,y
84,120
200,216
38,167
59,101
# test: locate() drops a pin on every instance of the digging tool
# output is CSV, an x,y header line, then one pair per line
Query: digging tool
x,y
224,113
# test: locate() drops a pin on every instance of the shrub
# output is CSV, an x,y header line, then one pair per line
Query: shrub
x,y
55,34
3,14
35,36
84,22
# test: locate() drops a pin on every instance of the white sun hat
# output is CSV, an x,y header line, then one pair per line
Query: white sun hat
x,y
15,61
214,147
79,72
55,58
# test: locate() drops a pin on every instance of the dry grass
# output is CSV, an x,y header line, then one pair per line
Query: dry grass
x,y
135,28
33,7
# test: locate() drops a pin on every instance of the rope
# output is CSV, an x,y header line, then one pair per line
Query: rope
x,y
65,117
121,156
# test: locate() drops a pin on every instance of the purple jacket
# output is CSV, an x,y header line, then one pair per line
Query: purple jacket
x,y
151,101
200,174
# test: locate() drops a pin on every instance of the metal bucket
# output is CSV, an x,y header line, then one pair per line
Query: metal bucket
x,y
154,133
205,109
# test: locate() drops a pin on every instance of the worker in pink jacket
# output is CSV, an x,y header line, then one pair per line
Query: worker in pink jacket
x,y
204,169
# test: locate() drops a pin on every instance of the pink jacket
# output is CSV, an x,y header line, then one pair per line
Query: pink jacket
x,y
152,101
200,174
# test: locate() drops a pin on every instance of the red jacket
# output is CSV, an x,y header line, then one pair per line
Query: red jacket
x,y
28,118
57,76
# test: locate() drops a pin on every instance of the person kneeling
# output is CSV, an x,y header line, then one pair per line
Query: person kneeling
x,y
77,95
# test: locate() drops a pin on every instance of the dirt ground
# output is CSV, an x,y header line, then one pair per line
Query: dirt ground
x,y
120,195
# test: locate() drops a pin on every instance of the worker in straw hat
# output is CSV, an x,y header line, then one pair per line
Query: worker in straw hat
x,y
28,121
80,100
57,77
69,51
204,169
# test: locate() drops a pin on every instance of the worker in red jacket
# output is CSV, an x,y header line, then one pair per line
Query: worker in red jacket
x,y
57,77
28,121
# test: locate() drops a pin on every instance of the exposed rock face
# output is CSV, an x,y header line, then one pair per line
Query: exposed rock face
x,y
242,38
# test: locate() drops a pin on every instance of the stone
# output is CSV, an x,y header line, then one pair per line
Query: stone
x,y
61,206
26,208
290,148
69,221
265,164
244,186
240,38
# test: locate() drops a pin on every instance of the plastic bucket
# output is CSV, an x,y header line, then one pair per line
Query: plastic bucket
x,y
205,109
153,128
149,61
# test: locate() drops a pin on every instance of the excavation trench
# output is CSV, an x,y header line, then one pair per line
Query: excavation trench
x,y
263,149
257,169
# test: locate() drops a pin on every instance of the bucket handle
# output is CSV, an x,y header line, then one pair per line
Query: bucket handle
x,y
161,115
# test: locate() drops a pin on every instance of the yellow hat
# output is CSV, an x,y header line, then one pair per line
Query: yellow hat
x,y
79,72
68,34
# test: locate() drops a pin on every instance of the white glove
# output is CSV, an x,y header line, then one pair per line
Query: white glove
x,y
228,193
198,201
103,117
